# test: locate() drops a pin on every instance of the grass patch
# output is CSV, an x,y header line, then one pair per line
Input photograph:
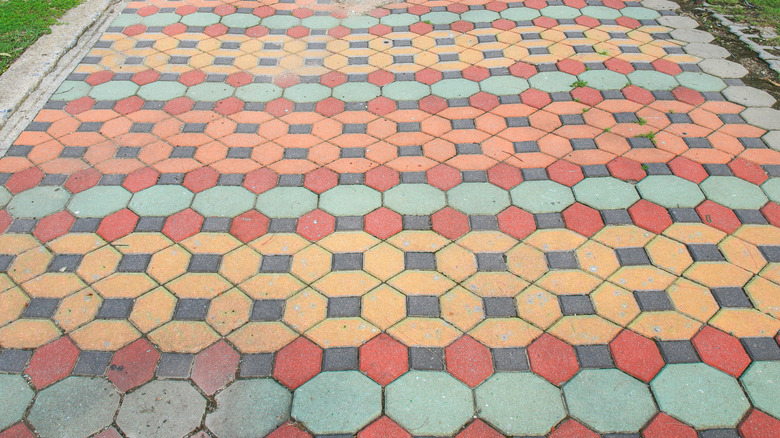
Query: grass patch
x,y
22,22
763,13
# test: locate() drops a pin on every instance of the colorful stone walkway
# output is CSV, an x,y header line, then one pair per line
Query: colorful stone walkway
x,y
436,218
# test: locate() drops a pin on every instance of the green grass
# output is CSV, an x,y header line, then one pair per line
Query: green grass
x,y
765,12
22,22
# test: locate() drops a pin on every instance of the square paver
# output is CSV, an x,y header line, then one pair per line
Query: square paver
x,y
423,305
705,253
275,263
562,260
491,261
92,363
426,358
653,300
731,297
594,356
204,263
65,263
343,307
39,307
576,305
340,359
420,261
256,365
267,310
134,262
681,351
115,308
13,360
347,261
191,309
510,359
175,365
499,307
632,256
761,348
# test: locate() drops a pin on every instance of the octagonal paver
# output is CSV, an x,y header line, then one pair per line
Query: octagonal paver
x,y
542,196
700,81
609,400
269,92
414,199
605,193
552,82
286,202
670,191
351,200
161,408
71,90
478,198
405,90
114,90
15,395
699,395
520,403
762,383
162,91
429,403
772,189
99,201
38,202
604,79
733,192
504,85
161,200
223,201
299,92
76,406
653,80
455,88
250,408
356,92
337,402
210,92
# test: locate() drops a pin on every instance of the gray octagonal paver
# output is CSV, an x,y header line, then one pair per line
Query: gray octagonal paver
x,y
338,402
692,35
605,193
748,96
670,191
609,400
766,118
699,395
74,407
250,408
161,408
429,403
15,395
733,192
520,403
723,68
706,50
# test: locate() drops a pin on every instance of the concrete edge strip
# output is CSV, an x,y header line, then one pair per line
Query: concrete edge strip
x,y
762,51
34,77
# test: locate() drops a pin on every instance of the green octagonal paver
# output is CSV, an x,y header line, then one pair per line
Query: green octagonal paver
x,y
478,198
429,403
600,12
162,90
307,93
520,14
504,85
552,81
699,395
670,191
223,201
280,22
161,19
38,202
250,408
520,403
652,80
762,383
286,202
5,196
356,92
605,193
74,407
113,90
700,81
639,13
200,19
772,189
71,90
404,19
163,200
609,400
455,88
15,395
558,12
542,196
733,192
210,92
359,22
99,201
441,17
126,20
338,402
483,16
320,22
604,79
406,90
350,200
266,92
240,21
414,199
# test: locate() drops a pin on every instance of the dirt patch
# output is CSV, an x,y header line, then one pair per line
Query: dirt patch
x,y
362,7
760,75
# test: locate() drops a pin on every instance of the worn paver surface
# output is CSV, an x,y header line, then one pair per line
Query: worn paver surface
x,y
432,218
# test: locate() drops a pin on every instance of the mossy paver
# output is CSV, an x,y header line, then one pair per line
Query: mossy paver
x,y
38,202
74,407
223,201
670,191
542,196
605,193
15,395
99,201
733,192
699,395
350,200
762,384
250,408
609,401
414,199
478,198
162,200
429,403
520,404
286,202
338,402
161,408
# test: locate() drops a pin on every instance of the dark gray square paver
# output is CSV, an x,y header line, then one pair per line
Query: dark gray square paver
x,y
65,263
491,261
653,300
340,359
92,363
705,253
347,261
731,297
761,348
510,359
576,305
175,365
343,307
191,309
39,307
267,310
499,307
134,262
678,351
420,261
562,260
426,358
14,361
423,305
256,365
204,263
275,263
632,256
594,356
115,308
